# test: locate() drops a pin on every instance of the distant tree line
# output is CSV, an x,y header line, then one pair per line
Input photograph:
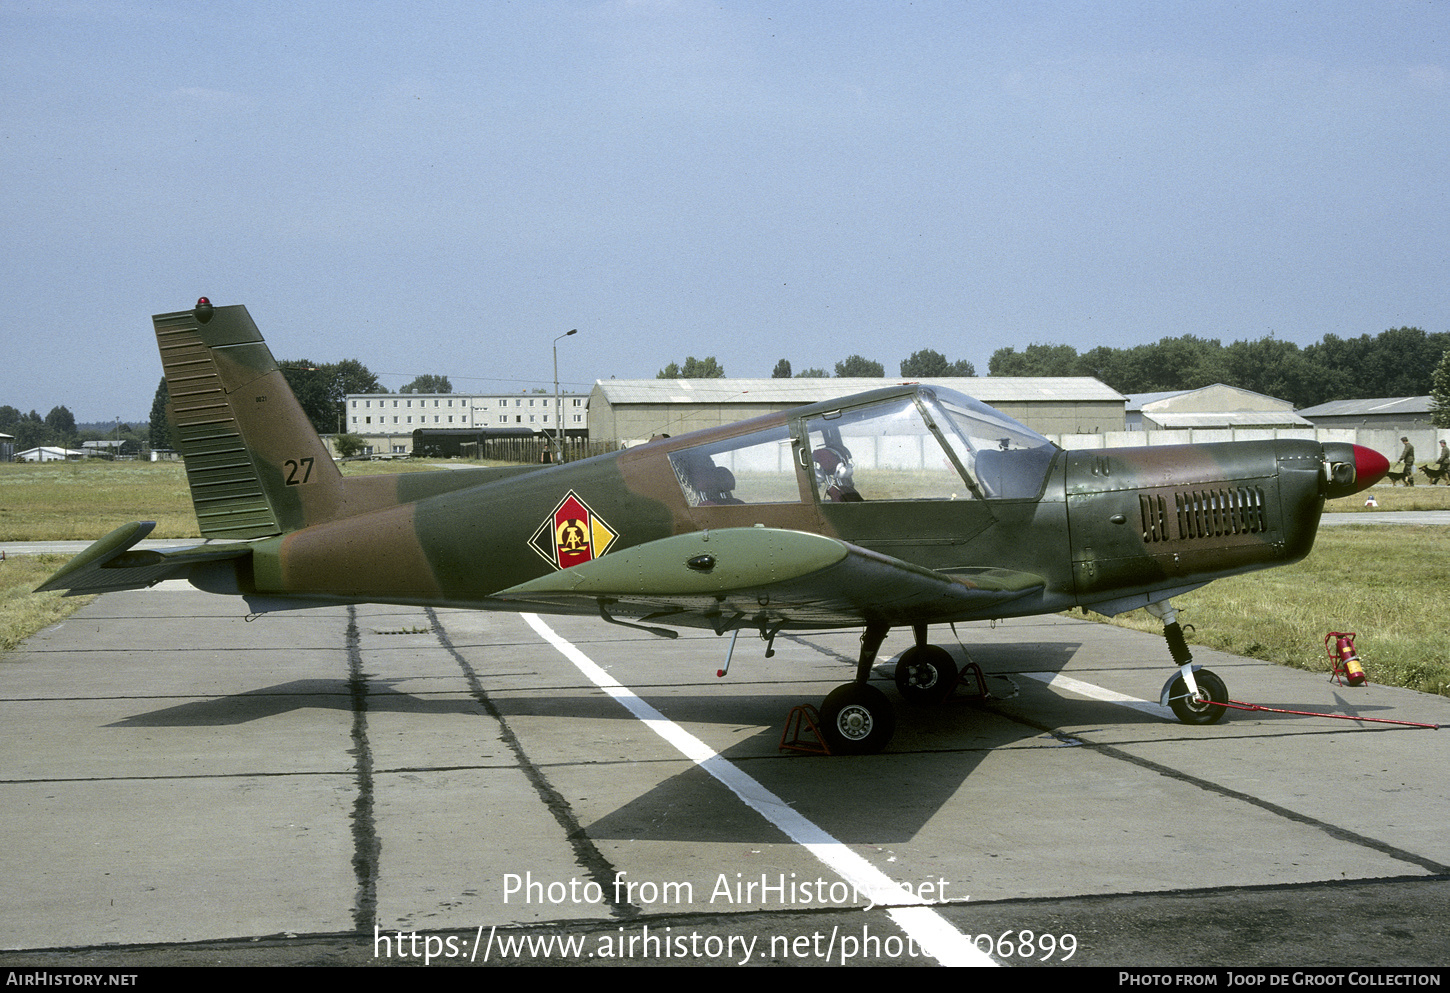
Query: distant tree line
x,y
1397,363
427,383
925,364
1440,393
59,429
921,365
706,368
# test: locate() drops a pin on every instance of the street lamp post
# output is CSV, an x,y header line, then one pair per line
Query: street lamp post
x,y
559,403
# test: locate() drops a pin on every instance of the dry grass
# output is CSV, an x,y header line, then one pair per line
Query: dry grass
x,y
23,612
77,501
80,501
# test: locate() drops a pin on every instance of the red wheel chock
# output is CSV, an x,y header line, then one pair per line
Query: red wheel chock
x,y
803,718
976,673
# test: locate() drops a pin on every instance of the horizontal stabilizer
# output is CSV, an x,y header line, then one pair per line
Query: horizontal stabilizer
x,y
110,564
805,580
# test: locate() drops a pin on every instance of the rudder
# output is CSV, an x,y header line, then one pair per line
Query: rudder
x,y
255,464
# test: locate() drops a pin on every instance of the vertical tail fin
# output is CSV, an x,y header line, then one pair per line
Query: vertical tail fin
x,y
255,464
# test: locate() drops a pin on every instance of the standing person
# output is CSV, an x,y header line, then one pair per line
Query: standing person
x,y
1408,458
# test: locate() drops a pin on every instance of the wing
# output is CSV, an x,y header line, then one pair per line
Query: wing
x,y
717,578
110,565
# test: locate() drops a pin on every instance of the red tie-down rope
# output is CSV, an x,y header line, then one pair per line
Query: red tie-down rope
x,y
1240,705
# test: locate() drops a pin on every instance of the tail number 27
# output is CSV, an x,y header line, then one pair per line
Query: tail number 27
x,y
299,471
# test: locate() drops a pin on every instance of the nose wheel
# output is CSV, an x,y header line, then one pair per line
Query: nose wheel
x,y
1205,703
1203,707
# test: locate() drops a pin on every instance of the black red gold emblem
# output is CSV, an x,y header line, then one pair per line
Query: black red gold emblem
x,y
572,535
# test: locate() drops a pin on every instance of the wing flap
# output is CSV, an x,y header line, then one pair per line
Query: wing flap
x,y
803,579
110,564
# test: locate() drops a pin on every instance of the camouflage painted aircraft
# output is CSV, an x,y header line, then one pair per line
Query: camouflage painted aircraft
x,y
906,506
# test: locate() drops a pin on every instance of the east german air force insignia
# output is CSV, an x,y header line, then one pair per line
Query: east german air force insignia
x,y
572,535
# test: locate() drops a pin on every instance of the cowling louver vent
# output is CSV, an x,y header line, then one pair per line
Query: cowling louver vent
x,y
1203,514
1155,522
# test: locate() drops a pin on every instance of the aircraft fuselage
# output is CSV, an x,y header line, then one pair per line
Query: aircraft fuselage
x,y
1104,528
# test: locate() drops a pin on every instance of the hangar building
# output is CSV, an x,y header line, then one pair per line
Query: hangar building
x,y
631,411
1216,406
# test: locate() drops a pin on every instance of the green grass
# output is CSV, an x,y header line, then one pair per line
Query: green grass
x,y
1418,497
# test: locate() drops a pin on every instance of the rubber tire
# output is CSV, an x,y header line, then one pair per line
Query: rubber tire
x,y
925,676
857,719
1190,712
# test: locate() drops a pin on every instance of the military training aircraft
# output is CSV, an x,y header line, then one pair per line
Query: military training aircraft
x,y
905,506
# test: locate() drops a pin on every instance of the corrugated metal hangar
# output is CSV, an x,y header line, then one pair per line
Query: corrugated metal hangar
x,y
631,411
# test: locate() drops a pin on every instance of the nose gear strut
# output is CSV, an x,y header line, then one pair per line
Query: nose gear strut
x,y
1195,695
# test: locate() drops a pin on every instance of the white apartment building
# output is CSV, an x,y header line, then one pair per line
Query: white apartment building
x,y
387,420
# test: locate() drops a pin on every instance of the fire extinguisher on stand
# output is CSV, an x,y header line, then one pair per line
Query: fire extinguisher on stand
x,y
1343,659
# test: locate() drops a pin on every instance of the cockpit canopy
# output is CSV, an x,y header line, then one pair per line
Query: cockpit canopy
x,y
1008,460
920,443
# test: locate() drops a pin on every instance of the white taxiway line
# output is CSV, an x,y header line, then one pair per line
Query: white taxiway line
x,y
932,932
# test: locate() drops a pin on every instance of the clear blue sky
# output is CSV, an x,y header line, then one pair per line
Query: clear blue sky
x,y
444,187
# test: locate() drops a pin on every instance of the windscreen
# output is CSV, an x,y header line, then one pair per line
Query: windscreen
x,y
881,451
1008,460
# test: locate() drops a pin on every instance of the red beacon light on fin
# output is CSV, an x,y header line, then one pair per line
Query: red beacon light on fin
x,y
203,310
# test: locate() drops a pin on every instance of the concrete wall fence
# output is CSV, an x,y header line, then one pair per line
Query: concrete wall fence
x,y
1386,441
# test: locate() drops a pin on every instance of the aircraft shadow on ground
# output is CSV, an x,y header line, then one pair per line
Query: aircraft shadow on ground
x,y
917,727
881,798
873,799
298,694
381,695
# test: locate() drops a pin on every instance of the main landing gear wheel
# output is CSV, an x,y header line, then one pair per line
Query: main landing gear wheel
x,y
925,675
1207,708
857,719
